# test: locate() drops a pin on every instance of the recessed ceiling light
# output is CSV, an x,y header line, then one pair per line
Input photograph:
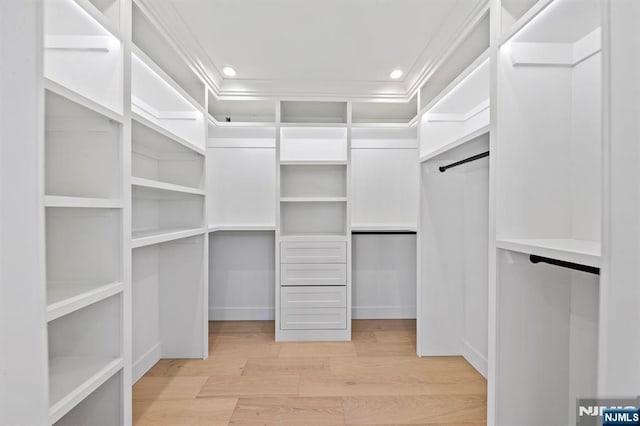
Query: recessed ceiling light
x,y
396,74
229,72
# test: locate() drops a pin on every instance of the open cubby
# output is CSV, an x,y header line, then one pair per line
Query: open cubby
x,y
157,211
313,180
454,254
460,57
84,351
159,158
83,249
153,43
242,111
313,144
547,341
102,408
82,150
384,112
81,55
168,296
459,111
157,98
313,112
313,218
550,150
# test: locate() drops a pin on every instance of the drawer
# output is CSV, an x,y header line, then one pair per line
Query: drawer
x,y
313,297
313,319
313,274
313,252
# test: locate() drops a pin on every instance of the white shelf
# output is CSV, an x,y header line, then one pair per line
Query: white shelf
x,y
312,199
98,203
313,163
157,236
63,299
77,98
99,17
218,228
150,124
569,250
383,228
456,143
153,184
72,379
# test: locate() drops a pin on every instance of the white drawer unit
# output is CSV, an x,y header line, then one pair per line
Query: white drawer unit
x,y
313,319
313,297
313,274
313,252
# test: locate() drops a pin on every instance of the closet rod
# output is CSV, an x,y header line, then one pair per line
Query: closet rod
x,y
466,160
578,267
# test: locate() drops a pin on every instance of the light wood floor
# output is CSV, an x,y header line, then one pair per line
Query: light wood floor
x,y
249,379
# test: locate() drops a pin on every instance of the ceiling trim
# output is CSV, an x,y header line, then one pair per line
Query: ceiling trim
x,y
162,15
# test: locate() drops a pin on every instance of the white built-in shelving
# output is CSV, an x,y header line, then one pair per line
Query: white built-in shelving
x,y
86,291
548,204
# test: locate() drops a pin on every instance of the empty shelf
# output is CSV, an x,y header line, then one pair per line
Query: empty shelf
x,y
156,236
154,184
58,201
570,250
63,299
72,379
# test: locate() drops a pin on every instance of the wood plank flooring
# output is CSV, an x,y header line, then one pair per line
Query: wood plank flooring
x,y
249,379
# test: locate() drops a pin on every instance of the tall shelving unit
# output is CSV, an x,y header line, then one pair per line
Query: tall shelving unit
x,y
548,185
169,247
87,288
313,230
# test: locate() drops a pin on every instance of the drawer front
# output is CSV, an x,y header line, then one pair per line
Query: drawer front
x,y
313,252
313,297
313,274
314,319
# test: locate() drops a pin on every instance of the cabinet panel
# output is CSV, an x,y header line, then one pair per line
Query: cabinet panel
x,y
332,274
313,297
314,319
313,252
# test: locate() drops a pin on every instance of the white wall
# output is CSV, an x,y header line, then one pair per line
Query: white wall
x,y
384,276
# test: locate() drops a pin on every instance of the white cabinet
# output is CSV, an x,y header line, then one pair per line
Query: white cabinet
x,y
314,318
301,274
314,297
313,252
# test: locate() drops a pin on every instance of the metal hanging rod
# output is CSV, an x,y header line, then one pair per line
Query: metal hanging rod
x,y
578,267
466,160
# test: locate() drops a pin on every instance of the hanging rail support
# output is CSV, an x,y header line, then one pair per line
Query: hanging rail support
x,y
466,160
578,267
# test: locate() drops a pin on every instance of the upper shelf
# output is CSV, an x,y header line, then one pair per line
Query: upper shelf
x,y
313,144
313,112
158,99
460,111
81,54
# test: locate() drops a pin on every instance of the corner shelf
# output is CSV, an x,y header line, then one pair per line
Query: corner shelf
x,y
72,379
566,249
157,236
63,298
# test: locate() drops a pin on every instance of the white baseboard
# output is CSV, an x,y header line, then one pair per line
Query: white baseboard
x,y
475,358
241,314
383,312
146,361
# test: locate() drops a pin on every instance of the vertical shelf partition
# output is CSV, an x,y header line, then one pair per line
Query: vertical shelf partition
x,y
313,244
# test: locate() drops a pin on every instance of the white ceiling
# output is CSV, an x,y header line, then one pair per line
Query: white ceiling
x,y
328,48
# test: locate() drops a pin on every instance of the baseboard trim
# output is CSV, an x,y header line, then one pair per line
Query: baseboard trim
x,y
145,362
241,314
383,312
475,358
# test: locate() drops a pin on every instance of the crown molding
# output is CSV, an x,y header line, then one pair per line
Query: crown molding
x,y
169,24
